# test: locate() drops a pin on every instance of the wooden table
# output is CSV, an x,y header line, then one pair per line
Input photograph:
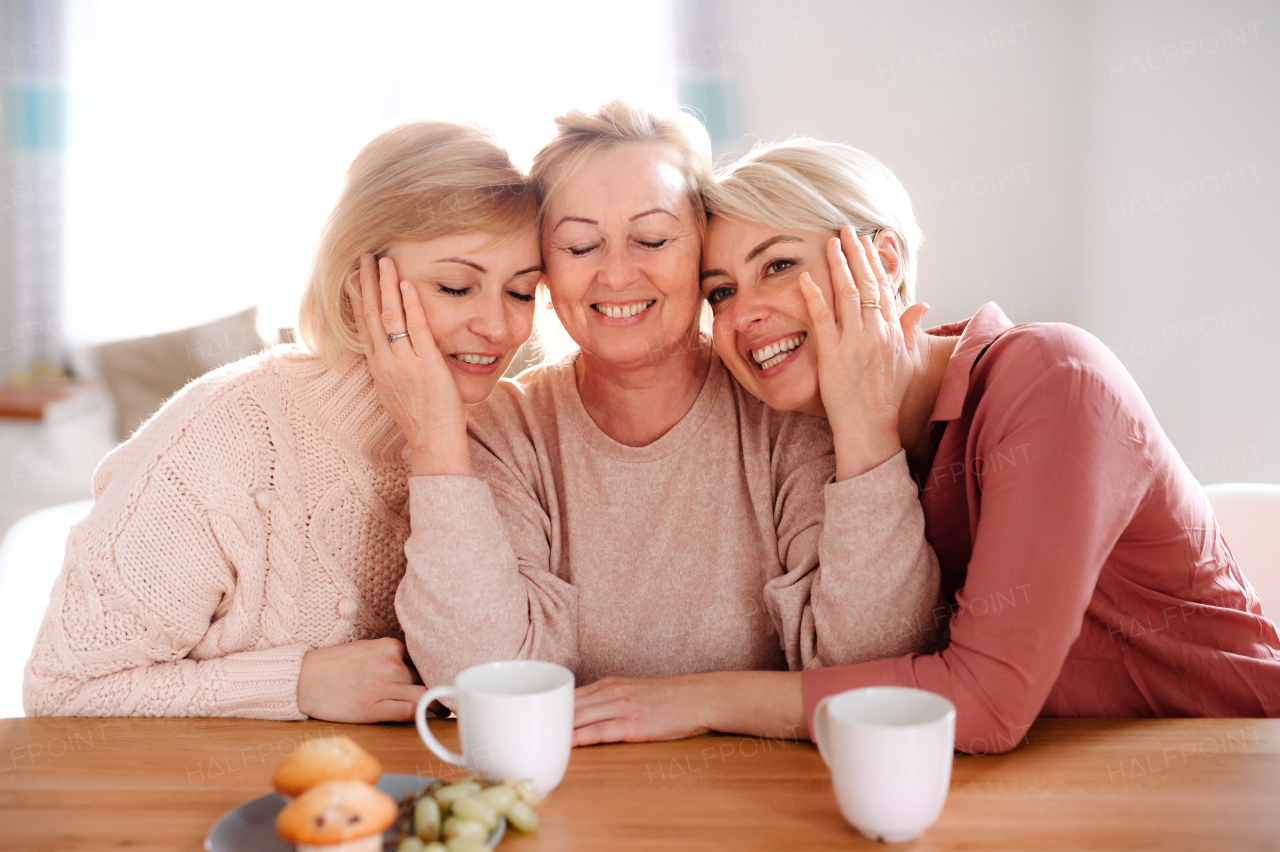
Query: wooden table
x,y
160,784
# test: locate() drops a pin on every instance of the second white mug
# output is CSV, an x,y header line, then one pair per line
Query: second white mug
x,y
890,750
515,718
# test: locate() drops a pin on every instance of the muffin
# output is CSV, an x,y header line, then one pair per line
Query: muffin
x,y
337,816
326,759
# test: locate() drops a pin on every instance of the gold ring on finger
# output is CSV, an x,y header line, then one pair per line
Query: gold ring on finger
x,y
870,304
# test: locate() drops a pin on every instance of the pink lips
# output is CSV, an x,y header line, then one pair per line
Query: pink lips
x,y
475,369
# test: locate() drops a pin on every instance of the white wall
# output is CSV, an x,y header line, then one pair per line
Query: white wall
x,y
1181,228
1023,132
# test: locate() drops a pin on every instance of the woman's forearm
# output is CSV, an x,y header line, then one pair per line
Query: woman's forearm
x,y
441,452
247,684
761,704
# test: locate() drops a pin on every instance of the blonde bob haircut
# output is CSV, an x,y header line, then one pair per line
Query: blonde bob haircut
x,y
416,182
806,184
580,134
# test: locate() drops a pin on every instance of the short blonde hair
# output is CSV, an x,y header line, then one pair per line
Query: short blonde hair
x,y
418,181
580,134
806,184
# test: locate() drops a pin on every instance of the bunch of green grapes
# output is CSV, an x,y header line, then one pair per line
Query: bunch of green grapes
x,y
459,817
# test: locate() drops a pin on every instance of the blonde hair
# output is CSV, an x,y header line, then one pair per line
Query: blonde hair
x,y
806,184
418,181
580,134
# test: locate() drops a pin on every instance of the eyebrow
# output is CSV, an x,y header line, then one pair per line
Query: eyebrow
x,y
651,212
632,219
575,219
780,238
711,273
477,267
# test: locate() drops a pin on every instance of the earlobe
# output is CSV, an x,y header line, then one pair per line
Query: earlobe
x,y
890,256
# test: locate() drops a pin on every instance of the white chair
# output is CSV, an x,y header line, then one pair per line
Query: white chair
x,y
1249,516
30,559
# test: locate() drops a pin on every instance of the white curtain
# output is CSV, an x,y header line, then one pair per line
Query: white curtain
x,y
30,210
207,141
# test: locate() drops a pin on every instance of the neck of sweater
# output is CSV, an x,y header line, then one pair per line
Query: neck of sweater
x,y
344,404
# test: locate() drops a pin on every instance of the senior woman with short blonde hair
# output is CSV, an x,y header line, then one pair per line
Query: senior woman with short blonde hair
x,y
635,513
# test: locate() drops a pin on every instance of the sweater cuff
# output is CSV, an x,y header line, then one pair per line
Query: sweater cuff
x,y
261,684
885,485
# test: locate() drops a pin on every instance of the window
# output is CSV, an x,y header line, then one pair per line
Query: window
x,y
207,142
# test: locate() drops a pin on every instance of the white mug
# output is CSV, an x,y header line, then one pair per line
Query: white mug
x,y
515,718
889,749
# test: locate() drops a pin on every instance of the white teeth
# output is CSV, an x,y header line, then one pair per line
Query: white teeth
x,y
483,360
623,311
767,356
775,360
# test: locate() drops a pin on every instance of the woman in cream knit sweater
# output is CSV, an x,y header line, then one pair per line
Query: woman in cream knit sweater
x,y
244,550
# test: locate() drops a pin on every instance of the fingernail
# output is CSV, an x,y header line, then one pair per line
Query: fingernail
x,y
382,263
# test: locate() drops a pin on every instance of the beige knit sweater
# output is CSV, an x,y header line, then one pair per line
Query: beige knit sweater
x,y
723,545
261,513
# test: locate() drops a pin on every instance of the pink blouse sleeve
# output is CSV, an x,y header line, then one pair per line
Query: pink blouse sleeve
x,y
1049,521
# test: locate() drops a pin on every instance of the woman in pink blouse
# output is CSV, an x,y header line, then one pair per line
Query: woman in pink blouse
x,y
1084,571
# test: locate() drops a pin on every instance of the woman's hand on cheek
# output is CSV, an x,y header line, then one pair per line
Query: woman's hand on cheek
x,y
371,680
414,384
636,710
864,362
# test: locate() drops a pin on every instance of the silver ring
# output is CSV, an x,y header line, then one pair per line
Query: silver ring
x,y
875,304
392,338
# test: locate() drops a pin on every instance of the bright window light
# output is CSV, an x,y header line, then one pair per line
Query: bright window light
x,y
207,142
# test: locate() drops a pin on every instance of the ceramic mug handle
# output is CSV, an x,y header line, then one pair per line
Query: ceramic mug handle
x,y
819,728
420,717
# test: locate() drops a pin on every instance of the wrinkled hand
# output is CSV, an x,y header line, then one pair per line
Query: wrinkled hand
x,y
636,710
867,356
413,382
372,680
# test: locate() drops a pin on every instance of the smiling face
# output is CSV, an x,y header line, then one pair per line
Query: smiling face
x,y
751,277
621,249
478,299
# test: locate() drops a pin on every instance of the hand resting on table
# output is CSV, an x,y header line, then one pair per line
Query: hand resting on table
x,y
633,710
371,680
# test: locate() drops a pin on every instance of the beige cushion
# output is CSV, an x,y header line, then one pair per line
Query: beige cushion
x,y
143,373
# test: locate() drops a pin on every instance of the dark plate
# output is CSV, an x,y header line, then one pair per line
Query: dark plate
x,y
252,826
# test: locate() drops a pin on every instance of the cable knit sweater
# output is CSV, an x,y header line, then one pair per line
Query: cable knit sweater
x,y
259,514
